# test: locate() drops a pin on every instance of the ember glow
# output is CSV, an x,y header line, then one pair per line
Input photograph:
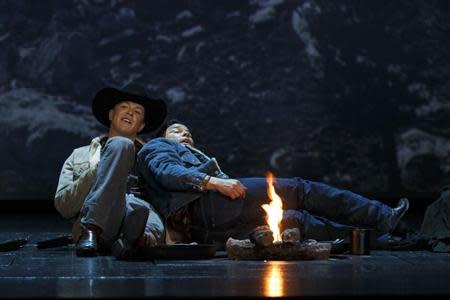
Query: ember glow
x,y
274,209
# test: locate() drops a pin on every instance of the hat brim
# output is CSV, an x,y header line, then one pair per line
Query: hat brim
x,y
107,98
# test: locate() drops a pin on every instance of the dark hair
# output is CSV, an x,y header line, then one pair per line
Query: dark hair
x,y
162,130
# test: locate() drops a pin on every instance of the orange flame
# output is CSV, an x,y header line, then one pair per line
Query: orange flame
x,y
274,209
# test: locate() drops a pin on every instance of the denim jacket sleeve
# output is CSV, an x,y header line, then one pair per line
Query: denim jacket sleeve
x,y
162,159
72,188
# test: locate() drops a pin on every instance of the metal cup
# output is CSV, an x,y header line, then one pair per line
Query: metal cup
x,y
360,241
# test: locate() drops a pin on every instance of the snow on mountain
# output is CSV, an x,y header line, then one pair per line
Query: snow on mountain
x,y
301,27
265,12
39,113
414,142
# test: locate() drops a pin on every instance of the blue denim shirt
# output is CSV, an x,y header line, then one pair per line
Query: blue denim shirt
x,y
173,175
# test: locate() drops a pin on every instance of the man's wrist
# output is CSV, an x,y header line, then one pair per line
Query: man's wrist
x,y
205,183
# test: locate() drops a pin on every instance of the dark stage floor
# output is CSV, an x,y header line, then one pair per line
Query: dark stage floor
x,y
59,273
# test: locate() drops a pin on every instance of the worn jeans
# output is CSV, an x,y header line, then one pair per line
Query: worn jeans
x,y
108,206
325,212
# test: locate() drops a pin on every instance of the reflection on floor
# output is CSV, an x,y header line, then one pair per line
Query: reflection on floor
x,y
58,272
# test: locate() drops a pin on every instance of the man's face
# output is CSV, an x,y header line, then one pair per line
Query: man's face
x,y
179,133
127,119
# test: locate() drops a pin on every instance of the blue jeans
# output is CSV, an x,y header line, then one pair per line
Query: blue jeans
x,y
324,211
323,229
108,206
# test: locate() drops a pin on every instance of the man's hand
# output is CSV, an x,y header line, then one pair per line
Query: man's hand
x,y
229,187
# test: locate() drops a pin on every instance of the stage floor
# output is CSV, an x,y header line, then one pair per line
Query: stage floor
x,y
59,273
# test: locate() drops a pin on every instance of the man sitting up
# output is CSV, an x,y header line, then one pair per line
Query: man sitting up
x,y
192,192
99,189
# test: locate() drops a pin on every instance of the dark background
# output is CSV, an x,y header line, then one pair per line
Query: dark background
x,y
352,93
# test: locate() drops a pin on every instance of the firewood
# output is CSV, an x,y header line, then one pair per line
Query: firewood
x,y
262,236
307,250
291,235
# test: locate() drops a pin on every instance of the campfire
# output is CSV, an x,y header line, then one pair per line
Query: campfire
x,y
274,210
268,242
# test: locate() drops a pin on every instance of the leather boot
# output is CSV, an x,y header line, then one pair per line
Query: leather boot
x,y
88,243
399,211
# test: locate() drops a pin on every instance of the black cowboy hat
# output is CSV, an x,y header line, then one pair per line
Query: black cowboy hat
x,y
107,98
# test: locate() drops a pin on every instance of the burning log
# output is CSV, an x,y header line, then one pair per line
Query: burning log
x,y
291,235
262,236
307,250
260,246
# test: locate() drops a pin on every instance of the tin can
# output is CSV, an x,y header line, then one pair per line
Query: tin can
x,y
360,241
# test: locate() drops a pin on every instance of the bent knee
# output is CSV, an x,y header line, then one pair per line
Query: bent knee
x,y
120,144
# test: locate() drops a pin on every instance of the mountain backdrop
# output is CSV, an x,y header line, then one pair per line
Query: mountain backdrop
x,y
352,93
